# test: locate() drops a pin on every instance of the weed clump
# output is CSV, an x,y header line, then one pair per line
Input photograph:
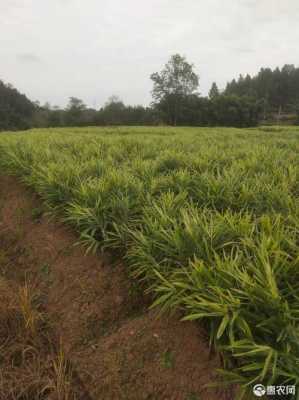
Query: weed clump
x,y
30,364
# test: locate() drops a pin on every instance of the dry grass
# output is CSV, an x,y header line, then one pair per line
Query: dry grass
x,y
61,385
31,368
28,303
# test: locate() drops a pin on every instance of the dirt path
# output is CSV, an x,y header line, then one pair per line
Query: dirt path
x,y
116,348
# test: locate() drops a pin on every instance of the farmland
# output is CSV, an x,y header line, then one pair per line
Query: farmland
x,y
206,219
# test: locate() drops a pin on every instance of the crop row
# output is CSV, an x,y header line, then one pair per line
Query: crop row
x,y
207,218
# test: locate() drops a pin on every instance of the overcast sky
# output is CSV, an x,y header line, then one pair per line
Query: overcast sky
x,y
91,49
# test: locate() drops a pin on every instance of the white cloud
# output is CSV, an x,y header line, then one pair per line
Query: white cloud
x,y
28,58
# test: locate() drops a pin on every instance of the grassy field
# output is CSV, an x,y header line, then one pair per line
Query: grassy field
x,y
208,219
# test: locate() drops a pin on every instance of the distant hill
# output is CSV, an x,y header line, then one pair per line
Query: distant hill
x,y
16,110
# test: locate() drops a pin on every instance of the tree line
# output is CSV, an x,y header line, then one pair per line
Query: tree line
x,y
278,89
176,101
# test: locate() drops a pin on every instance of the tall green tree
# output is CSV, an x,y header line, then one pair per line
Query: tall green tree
x,y
172,85
74,111
214,91
114,111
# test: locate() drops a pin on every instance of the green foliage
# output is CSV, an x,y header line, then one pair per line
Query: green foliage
x,y
269,97
37,213
207,218
278,88
233,110
177,78
214,91
168,360
16,110
172,85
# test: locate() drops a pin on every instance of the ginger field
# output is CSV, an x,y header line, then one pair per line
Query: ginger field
x,y
206,219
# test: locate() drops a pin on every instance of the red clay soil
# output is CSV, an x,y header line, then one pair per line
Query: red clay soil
x,y
117,348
